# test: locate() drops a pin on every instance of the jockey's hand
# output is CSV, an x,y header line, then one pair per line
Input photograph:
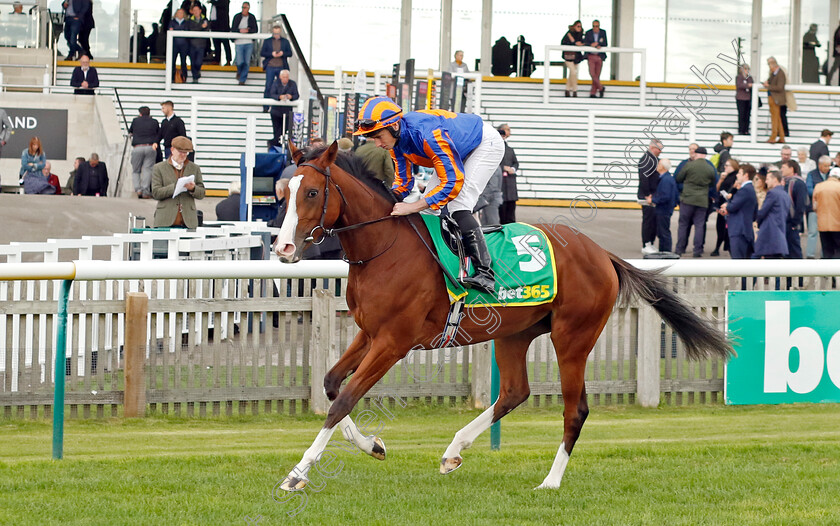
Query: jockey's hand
x,y
404,209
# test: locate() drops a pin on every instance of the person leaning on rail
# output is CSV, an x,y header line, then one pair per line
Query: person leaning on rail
x,y
463,150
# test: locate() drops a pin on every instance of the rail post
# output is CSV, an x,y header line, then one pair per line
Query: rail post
x,y
496,428
60,371
480,386
322,348
136,311
647,363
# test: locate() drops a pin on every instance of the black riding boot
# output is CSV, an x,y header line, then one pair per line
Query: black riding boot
x,y
476,249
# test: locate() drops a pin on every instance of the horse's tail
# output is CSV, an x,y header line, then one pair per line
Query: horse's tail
x,y
700,336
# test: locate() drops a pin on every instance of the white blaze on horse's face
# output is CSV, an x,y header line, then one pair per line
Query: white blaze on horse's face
x,y
285,246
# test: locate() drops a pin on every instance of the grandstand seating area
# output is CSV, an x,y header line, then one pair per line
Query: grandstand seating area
x,y
550,141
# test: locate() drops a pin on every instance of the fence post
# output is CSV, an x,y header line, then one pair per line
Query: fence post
x,y
480,384
136,314
647,363
322,347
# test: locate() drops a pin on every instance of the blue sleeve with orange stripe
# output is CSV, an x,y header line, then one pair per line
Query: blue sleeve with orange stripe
x,y
403,178
448,166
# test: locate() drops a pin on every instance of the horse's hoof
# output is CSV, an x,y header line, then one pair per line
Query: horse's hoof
x,y
448,465
378,451
293,484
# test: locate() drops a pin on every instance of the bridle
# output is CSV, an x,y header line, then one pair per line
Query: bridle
x,y
332,232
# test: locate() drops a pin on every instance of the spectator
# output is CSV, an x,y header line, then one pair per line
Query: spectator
x,y
740,209
153,42
827,205
692,154
836,54
228,208
71,181
722,151
458,65
17,9
244,22
665,199
142,45
32,160
345,145
180,45
775,84
648,178
760,183
75,12
490,200
785,154
51,178
771,240
84,77
283,89
92,178
171,126
5,128
697,177
743,98
378,161
220,21
276,52
724,187
810,62
820,146
316,142
88,24
573,37
597,38
805,163
814,178
198,46
510,164
177,210
798,192
145,136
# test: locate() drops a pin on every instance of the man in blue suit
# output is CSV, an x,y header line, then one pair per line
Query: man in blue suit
x,y
772,220
275,52
597,38
84,77
75,13
740,211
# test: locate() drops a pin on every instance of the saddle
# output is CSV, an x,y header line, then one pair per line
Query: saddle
x,y
451,234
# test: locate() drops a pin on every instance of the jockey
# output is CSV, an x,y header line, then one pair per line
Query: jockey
x,y
463,150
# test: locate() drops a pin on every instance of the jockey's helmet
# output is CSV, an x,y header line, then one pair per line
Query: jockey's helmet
x,y
377,113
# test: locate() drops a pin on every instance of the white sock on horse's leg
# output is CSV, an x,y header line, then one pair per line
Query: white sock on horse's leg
x,y
353,435
555,475
466,436
310,456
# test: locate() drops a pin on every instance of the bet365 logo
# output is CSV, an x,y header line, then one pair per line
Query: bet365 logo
x,y
814,357
524,247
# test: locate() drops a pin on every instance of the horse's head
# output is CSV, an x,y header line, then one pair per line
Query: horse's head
x,y
306,213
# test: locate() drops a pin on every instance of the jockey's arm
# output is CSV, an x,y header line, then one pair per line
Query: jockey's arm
x,y
403,178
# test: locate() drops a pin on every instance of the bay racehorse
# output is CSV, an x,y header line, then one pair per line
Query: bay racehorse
x,y
397,296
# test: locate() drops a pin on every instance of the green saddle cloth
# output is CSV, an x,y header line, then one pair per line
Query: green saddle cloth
x,y
523,262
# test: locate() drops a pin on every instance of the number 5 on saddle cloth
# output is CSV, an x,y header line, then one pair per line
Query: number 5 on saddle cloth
x,y
523,263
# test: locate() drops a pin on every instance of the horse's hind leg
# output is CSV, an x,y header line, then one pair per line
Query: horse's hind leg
x,y
513,390
572,348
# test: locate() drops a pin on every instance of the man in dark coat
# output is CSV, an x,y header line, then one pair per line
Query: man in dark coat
x,y
88,24
84,77
772,217
597,38
836,55
509,165
502,60
170,127
75,13
91,178
797,189
228,208
221,22
740,212
820,146
275,52
283,89
648,179
198,22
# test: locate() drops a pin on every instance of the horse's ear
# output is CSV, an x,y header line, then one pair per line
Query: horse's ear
x,y
329,156
296,154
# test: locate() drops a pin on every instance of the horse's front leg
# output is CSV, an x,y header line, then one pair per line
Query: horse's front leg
x,y
383,354
344,367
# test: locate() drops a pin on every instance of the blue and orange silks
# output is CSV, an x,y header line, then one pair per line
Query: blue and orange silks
x,y
436,139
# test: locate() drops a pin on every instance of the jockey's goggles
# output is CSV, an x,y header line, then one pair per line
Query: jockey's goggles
x,y
368,125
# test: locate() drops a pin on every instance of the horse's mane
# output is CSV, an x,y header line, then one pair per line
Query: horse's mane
x,y
355,166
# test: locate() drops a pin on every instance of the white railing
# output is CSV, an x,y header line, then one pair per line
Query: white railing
x,y
653,115
47,77
201,34
588,49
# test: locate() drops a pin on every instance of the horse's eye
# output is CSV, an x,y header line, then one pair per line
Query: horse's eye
x,y
312,193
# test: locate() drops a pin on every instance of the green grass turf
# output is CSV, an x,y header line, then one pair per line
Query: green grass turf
x,y
775,465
